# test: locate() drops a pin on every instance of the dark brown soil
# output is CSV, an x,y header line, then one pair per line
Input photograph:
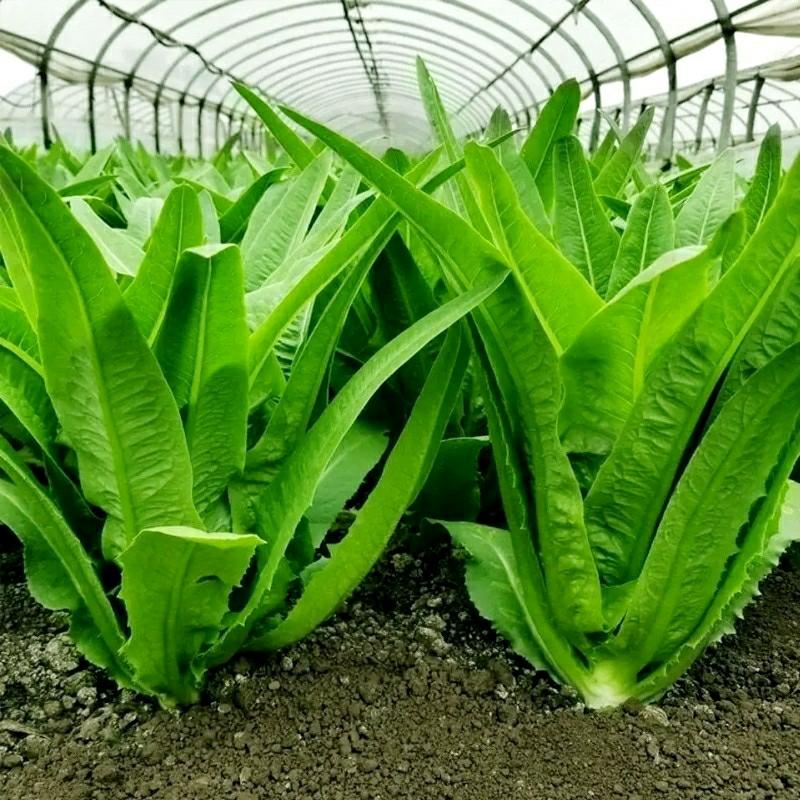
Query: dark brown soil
x,y
405,695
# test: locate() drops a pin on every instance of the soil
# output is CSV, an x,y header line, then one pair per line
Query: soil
x,y
405,694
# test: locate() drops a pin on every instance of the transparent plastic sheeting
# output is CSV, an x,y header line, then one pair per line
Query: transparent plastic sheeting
x,y
719,71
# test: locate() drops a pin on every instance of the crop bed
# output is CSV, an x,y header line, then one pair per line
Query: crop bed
x,y
406,694
225,385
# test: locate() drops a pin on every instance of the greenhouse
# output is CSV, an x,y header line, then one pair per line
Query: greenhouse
x,y
399,399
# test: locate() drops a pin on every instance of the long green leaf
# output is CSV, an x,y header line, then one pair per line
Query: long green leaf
x,y
709,205
764,186
292,415
176,582
555,121
463,201
202,349
60,574
632,485
379,220
581,226
777,327
105,384
295,147
233,222
359,452
494,584
453,236
403,475
649,233
287,497
616,172
743,460
772,531
179,226
119,250
605,369
269,239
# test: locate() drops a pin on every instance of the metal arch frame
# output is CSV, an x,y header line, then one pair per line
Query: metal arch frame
x,y
457,22
443,56
664,149
382,31
771,84
452,50
681,123
237,101
405,7
748,107
554,28
772,102
44,65
622,64
367,58
317,89
461,24
729,37
716,102
391,3
723,19
186,53
288,85
50,47
406,93
157,40
161,85
143,9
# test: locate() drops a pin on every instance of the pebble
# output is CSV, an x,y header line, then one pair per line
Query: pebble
x,y
35,746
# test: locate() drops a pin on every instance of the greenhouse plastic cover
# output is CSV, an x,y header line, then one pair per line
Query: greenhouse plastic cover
x,y
718,71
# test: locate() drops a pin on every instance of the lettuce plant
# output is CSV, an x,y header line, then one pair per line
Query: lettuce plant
x,y
171,458
641,389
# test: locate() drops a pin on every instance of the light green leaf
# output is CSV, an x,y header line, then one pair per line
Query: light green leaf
x,y
452,490
493,581
560,296
632,485
120,250
105,384
581,226
616,172
179,226
555,121
176,582
233,222
404,473
736,477
649,233
269,240
462,199
777,327
211,232
709,205
144,215
202,349
289,495
60,574
295,147
764,186
359,452
605,369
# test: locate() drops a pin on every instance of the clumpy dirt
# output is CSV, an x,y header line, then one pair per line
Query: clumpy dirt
x,y
406,694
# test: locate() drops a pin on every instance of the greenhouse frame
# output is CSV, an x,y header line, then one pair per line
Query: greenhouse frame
x,y
400,399
709,67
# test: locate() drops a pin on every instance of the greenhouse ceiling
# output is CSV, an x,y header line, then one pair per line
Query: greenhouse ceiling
x,y
718,71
